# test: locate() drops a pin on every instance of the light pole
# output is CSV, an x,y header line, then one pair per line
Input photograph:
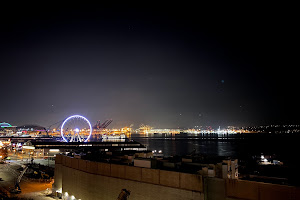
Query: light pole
x,y
48,158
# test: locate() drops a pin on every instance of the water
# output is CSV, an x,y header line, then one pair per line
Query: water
x,y
185,145
172,146
248,151
283,147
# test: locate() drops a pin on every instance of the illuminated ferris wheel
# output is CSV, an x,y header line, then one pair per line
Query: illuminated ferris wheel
x,y
76,128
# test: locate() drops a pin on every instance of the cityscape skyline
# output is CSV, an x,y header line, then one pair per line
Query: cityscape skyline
x,y
168,100
103,124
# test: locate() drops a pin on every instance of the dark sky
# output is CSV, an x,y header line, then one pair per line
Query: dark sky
x,y
162,65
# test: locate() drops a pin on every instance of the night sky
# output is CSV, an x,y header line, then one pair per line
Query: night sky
x,y
166,66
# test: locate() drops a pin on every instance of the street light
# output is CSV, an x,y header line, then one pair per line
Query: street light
x,y
48,158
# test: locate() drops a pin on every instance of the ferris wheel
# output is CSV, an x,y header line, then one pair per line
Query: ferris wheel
x,y
76,128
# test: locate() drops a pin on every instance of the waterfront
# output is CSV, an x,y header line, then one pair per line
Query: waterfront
x,y
280,146
249,151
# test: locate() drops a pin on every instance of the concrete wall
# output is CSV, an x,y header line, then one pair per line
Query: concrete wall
x,y
58,177
93,180
150,175
232,189
191,182
169,178
87,186
142,163
250,190
58,173
214,189
133,173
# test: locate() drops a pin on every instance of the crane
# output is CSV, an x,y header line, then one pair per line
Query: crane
x,y
17,188
103,125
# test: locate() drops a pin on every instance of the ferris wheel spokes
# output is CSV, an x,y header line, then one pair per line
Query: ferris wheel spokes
x,y
76,128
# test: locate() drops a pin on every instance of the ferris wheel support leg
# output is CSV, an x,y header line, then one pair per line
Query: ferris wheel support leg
x,y
79,138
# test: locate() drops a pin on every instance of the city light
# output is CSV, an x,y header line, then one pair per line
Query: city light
x,y
53,150
59,190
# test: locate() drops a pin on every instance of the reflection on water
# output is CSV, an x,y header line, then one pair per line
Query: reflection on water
x,y
183,146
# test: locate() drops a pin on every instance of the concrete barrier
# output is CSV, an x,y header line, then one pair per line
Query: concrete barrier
x,y
250,190
64,160
117,171
241,189
214,188
169,178
57,176
75,163
133,173
144,182
103,169
150,175
82,165
154,176
276,192
89,186
58,159
92,167
191,182
68,161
